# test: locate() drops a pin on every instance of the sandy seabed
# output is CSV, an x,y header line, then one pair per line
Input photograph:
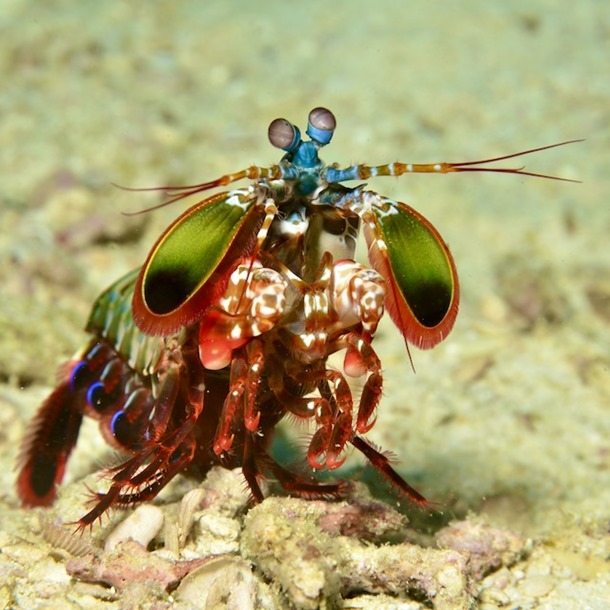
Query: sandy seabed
x,y
506,424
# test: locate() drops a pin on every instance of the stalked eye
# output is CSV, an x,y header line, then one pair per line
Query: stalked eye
x,y
283,134
321,125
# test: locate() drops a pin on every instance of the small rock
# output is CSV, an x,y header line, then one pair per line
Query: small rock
x,y
536,586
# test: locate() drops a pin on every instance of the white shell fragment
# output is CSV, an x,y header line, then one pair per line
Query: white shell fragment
x,y
208,586
141,526
190,503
